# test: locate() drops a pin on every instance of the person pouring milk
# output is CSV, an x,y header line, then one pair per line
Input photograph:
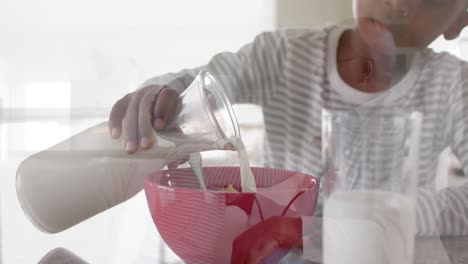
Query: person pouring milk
x,y
293,74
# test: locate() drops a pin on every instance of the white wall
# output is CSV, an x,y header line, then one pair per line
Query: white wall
x,y
312,13
109,46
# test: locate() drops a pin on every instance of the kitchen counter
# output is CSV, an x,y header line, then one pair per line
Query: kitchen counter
x,y
428,251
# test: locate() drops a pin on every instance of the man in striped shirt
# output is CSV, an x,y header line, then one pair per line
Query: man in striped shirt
x,y
383,59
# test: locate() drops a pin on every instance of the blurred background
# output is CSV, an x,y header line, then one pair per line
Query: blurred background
x,y
64,63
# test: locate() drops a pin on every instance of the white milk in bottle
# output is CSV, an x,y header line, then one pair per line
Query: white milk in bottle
x,y
368,227
91,172
83,176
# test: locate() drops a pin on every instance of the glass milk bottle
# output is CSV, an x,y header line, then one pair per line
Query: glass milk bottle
x,y
370,176
91,172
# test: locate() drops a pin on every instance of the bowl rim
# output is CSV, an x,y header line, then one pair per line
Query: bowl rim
x,y
315,183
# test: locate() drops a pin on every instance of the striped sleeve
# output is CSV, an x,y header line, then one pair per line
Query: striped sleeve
x,y
247,76
445,212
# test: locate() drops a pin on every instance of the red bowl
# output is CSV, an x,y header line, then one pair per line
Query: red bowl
x,y
199,226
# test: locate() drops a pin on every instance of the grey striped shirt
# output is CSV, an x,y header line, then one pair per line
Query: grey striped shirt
x,y
288,73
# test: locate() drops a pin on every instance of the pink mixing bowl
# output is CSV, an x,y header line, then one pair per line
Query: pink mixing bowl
x,y
199,226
